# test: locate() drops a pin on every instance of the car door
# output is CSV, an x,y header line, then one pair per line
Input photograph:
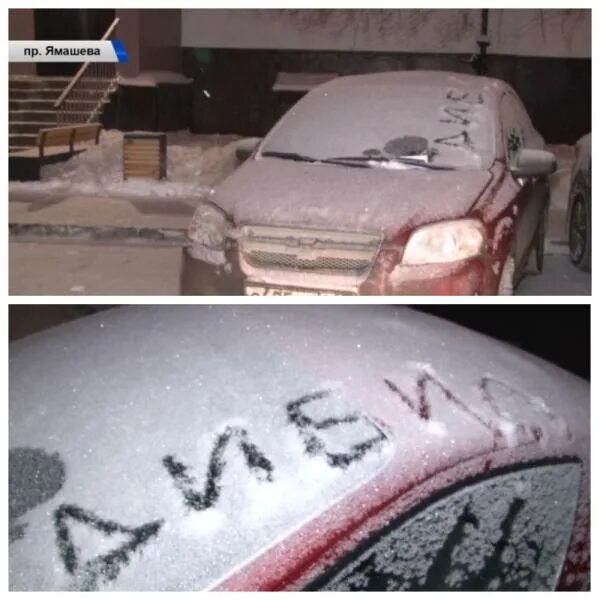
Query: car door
x,y
532,194
506,531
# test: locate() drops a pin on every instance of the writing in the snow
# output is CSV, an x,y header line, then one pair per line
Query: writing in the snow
x,y
460,112
510,416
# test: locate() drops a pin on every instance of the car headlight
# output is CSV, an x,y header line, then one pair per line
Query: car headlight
x,y
210,226
444,242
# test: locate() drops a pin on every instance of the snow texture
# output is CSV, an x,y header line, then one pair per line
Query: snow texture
x,y
509,532
194,164
368,115
193,439
350,115
503,228
281,192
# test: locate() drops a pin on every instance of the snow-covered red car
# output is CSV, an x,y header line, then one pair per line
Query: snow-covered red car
x,y
253,448
413,182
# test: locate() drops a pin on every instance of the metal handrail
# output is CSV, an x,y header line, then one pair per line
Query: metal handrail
x,y
84,67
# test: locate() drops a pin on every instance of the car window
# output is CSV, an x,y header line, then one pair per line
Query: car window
x,y
507,532
367,120
517,130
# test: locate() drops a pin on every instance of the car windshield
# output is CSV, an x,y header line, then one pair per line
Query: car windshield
x,y
387,125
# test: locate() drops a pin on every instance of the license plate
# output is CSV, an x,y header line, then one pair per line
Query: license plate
x,y
264,290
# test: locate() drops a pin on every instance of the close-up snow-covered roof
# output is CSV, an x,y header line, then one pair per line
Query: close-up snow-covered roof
x,y
166,448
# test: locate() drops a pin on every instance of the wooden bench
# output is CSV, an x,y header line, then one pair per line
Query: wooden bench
x,y
67,136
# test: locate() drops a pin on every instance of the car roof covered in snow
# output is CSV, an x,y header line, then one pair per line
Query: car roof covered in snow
x,y
488,86
156,448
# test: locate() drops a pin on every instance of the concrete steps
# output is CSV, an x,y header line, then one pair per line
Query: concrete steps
x,y
33,94
31,106
26,140
25,127
18,116
54,83
37,104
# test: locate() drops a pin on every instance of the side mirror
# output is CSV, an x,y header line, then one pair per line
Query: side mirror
x,y
245,148
532,163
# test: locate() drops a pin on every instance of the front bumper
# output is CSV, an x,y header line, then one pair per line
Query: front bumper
x,y
461,278
465,278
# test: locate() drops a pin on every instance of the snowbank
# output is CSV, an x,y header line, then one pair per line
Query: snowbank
x,y
194,164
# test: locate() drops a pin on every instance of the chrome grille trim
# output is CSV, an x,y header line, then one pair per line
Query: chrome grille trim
x,y
316,251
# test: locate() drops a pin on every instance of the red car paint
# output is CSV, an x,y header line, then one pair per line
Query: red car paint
x,y
510,211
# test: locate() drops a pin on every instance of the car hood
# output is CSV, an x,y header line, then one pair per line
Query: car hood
x,y
279,192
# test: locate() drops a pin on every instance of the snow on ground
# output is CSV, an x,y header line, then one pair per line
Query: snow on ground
x,y
559,277
194,164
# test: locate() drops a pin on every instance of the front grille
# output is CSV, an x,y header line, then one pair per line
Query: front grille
x,y
320,263
308,250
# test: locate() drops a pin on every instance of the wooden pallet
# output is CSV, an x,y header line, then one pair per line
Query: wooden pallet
x,y
145,155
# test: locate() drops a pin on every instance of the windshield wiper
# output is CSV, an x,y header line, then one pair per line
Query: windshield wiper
x,y
384,159
290,156
311,159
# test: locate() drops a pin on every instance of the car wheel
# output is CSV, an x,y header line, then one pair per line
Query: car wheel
x,y
579,230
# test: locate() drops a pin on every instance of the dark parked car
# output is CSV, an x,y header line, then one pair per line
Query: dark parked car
x,y
389,183
254,448
580,206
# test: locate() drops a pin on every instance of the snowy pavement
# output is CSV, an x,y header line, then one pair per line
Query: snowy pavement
x,y
96,211
93,269
100,269
559,278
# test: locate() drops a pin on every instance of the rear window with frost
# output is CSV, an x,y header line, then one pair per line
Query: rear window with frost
x,y
351,120
508,532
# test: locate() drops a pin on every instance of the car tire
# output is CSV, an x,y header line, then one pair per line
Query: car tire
x,y
580,227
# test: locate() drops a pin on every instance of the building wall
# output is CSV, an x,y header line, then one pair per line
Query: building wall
x,y
160,40
234,57
21,26
233,88
523,32
128,31
152,39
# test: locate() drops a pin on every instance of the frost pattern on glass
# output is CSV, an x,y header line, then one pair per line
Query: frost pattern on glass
x,y
510,532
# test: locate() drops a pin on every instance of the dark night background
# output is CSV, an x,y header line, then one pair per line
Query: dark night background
x,y
557,333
